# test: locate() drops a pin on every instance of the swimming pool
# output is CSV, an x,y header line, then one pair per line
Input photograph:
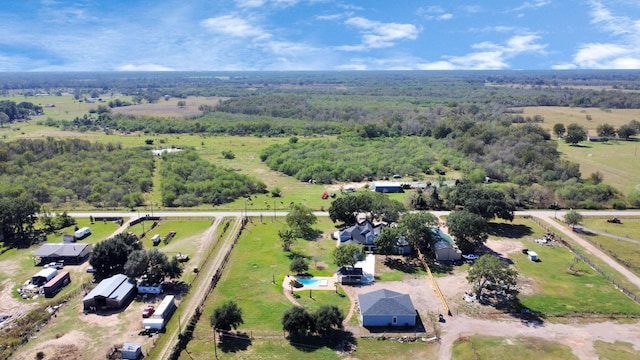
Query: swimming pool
x,y
308,281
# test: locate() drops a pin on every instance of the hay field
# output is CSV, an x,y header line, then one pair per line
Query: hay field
x,y
170,108
568,115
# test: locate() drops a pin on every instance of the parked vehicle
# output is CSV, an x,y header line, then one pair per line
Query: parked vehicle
x,y
91,270
148,311
471,257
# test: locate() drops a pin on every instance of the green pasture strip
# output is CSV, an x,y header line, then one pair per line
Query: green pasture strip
x,y
611,272
629,227
313,349
616,351
612,159
520,348
565,290
565,287
624,252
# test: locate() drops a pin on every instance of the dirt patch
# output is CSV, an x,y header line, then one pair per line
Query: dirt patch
x,y
170,108
64,347
504,247
342,186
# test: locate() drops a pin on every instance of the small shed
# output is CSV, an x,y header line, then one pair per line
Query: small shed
x,y
386,308
387,187
533,256
131,351
53,286
43,276
156,239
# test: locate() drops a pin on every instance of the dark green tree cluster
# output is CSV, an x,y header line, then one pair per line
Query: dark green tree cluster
x,y
226,317
484,201
152,265
10,111
17,220
110,256
346,208
188,180
352,159
298,321
469,230
64,170
492,274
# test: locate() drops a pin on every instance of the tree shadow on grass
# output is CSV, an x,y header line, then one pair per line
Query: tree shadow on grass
x,y
341,341
234,342
510,231
439,267
405,265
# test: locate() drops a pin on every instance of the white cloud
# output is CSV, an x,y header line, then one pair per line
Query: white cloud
x,y
234,26
434,13
622,52
144,67
564,66
491,56
376,35
532,5
260,3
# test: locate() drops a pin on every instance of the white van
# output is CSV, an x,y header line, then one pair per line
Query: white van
x,y
156,239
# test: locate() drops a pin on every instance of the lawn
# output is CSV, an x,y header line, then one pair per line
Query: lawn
x,y
520,348
616,351
561,285
565,286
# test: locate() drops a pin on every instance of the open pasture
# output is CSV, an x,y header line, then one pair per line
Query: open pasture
x,y
569,115
492,347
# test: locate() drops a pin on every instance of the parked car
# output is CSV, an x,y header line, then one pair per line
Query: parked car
x,y
148,311
56,265
91,270
471,257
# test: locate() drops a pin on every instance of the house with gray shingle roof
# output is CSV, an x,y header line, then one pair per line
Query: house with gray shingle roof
x,y
386,308
362,233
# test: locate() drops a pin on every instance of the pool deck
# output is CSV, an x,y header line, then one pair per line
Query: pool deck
x,y
324,283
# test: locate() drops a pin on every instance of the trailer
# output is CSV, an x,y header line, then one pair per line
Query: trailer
x,y
43,276
82,233
166,308
53,286
153,324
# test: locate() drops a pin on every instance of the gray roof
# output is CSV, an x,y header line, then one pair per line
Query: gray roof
x,y
60,249
116,287
385,302
357,233
442,244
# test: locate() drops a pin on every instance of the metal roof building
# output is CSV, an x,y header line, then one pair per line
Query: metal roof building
x,y
70,253
386,308
111,293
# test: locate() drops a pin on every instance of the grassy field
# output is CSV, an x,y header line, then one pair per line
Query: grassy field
x,y
559,285
611,158
568,115
616,351
520,348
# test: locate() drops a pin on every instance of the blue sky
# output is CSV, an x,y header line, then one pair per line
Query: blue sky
x,y
222,35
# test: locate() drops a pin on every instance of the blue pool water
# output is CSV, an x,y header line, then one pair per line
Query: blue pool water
x,y
308,281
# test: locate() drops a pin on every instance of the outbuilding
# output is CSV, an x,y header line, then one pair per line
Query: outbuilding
x,y
110,294
69,253
53,286
533,256
386,308
43,276
387,187
131,351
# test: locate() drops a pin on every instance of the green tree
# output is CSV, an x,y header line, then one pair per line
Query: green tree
x,y
109,256
416,227
489,270
348,254
301,219
17,219
287,238
572,218
469,230
477,176
575,134
296,321
226,317
299,265
152,264
482,200
346,209
181,103
626,131
606,131
328,318
4,119
386,241
559,129
596,177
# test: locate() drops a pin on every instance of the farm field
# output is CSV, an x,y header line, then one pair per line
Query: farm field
x,y
569,115
616,351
